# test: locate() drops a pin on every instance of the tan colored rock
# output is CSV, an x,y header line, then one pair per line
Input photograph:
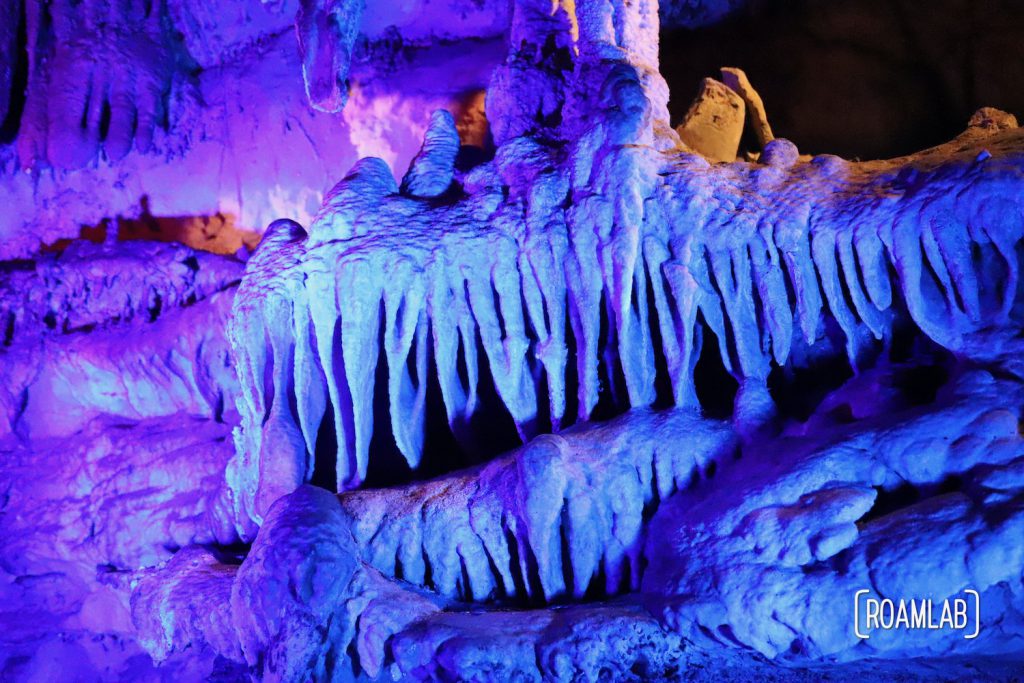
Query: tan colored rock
x,y
714,124
737,81
990,118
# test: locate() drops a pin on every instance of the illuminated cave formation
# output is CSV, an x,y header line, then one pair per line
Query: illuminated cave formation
x,y
582,396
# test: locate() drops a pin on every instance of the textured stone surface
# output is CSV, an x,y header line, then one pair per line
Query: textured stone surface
x,y
740,84
327,34
433,168
133,330
234,140
713,125
743,391
779,526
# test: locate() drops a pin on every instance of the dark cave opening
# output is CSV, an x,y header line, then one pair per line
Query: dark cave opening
x,y
325,459
446,448
230,554
716,388
799,390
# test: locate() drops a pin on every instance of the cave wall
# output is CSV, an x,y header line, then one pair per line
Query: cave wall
x,y
192,484
242,145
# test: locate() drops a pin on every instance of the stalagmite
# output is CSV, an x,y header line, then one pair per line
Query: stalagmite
x,y
432,170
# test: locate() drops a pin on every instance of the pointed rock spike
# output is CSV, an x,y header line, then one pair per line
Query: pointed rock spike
x,y
872,317
310,388
871,259
823,253
432,170
954,244
323,308
359,303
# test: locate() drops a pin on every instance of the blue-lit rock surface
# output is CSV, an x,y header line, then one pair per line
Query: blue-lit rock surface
x,y
543,394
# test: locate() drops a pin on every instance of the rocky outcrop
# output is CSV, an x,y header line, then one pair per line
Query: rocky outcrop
x,y
713,125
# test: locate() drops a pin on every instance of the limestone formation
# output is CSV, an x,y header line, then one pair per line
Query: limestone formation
x,y
738,82
582,397
714,124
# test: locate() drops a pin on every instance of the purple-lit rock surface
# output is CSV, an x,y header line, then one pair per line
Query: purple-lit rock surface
x,y
542,389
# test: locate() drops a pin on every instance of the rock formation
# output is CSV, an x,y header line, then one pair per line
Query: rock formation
x,y
595,399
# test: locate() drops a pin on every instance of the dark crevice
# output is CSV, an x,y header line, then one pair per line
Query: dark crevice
x,y
518,584
500,589
716,388
17,97
535,587
267,379
572,380
231,554
568,576
597,591
446,448
920,384
8,329
496,299
399,567
464,587
104,123
325,460
846,281
155,307
612,397
491,429
729,343
798,390
907,494
428,571
988,260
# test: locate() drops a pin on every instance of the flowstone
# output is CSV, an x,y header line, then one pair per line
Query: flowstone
x,y
607,400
